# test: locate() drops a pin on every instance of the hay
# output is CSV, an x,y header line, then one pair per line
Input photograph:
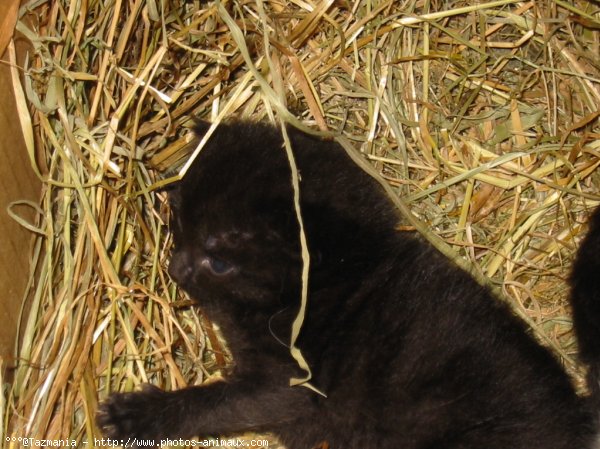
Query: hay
x,y
484,118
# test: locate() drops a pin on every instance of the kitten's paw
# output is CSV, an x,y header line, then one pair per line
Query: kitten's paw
x,y
139,415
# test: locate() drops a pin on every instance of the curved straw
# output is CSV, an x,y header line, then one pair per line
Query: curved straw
x,y
295,352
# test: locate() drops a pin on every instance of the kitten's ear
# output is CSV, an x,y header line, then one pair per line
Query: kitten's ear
x,y
201,127
173,190
174,194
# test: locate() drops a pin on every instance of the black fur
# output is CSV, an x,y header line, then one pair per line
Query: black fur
x,y
585,299
410,351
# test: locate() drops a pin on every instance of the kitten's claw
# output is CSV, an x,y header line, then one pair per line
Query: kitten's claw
x,y
138,415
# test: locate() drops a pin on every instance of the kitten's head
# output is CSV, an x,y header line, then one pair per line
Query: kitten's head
x,y
234,228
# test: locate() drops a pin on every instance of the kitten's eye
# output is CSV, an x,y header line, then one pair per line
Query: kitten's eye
x,y
217,267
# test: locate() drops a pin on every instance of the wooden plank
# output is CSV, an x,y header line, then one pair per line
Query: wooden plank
x,y
17,181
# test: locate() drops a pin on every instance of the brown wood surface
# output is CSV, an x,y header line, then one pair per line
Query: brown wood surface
x,y
17,181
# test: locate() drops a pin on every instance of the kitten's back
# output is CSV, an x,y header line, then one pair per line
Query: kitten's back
x,y
585,300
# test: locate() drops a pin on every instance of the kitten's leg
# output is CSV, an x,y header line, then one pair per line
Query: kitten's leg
x,y
217,409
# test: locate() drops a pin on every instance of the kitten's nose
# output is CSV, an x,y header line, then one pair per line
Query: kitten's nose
x,y
180,267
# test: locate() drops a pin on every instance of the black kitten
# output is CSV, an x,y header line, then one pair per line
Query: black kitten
x,y
410,351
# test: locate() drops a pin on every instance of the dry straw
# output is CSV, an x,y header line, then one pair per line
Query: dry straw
x,y
482,116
